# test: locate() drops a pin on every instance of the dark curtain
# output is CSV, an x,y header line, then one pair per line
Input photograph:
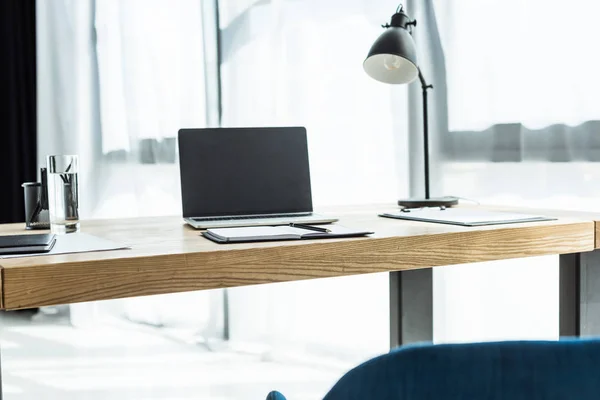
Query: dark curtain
x,y
18,150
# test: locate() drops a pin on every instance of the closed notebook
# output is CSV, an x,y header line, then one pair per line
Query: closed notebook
x,y
465,216
268,233
24,244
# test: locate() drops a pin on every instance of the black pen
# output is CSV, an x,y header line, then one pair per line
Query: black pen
x,y
310,228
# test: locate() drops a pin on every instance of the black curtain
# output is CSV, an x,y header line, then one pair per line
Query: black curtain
x,y
18,148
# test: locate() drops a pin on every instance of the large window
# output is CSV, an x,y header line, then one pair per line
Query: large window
x,y
506,106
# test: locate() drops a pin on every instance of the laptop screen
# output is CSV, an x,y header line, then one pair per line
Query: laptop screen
x,y
238,171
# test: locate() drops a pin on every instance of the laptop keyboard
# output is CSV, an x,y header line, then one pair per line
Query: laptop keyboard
x,y
240,217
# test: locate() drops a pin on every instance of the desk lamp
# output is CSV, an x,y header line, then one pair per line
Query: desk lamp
x,y
393,60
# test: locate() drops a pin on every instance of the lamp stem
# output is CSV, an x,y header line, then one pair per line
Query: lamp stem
x,y
425,87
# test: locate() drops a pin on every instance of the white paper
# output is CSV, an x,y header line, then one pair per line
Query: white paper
x,y
249,232
77,242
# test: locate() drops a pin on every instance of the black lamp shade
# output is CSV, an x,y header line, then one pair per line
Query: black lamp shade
x,y
393,57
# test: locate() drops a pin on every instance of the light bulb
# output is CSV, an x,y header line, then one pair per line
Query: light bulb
x,y
392,62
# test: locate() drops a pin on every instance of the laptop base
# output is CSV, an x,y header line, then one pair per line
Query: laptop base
x,y
267,221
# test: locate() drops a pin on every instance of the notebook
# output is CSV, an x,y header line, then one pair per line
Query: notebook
x,y
465,216
268,233
20,244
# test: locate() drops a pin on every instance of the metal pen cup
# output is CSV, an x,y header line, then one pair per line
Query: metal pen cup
x,y
36,209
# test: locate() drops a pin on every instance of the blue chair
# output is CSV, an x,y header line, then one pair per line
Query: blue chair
x,y
528,370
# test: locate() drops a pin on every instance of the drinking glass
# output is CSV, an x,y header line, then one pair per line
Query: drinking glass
x,y
63,196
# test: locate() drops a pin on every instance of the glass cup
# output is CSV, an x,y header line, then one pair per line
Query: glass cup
x,y
63,196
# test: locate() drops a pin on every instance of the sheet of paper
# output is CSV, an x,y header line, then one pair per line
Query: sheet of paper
x,y
248,232
78,242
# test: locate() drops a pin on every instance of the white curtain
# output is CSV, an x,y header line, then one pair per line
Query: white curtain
x,y
518,86
531,62
117,79
300,63
151,69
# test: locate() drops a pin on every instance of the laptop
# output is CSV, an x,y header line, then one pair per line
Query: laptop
x,y
246,177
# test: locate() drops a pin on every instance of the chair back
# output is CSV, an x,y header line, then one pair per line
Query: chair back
x,y
527,370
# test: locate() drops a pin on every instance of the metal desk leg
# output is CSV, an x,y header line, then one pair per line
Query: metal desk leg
x,y
411,306
0,375
579,290
411,300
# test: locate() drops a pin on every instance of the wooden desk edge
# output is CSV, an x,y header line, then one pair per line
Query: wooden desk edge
x,y
47,284
581,215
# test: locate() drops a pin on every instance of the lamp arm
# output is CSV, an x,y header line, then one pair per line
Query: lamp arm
x,y
424,84
424,87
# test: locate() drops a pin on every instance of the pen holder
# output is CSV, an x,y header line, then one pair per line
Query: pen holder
x,y
36,210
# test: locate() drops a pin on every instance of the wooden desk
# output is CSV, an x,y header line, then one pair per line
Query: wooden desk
x,y
166,257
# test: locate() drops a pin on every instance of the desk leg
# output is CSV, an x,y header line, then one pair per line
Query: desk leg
x,y
579,293
411,306
0,375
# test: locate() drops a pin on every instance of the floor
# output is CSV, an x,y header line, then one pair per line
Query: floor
x,y
44,357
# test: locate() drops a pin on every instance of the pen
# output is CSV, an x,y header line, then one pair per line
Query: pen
x,y
310,228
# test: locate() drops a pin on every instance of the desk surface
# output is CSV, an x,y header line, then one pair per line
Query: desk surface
x,y
166,256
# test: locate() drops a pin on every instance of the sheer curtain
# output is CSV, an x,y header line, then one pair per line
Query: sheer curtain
x,y
527,62
300,63
521,92
151,83
515,123
117,79
151,70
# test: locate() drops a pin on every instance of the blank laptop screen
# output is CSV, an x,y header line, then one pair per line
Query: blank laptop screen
x,y
237,171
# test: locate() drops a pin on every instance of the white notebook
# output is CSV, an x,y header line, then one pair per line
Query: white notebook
x,y
267,233
465,216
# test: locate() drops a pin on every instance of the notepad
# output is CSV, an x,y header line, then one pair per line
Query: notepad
x,y
268,233
20,244
465,216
